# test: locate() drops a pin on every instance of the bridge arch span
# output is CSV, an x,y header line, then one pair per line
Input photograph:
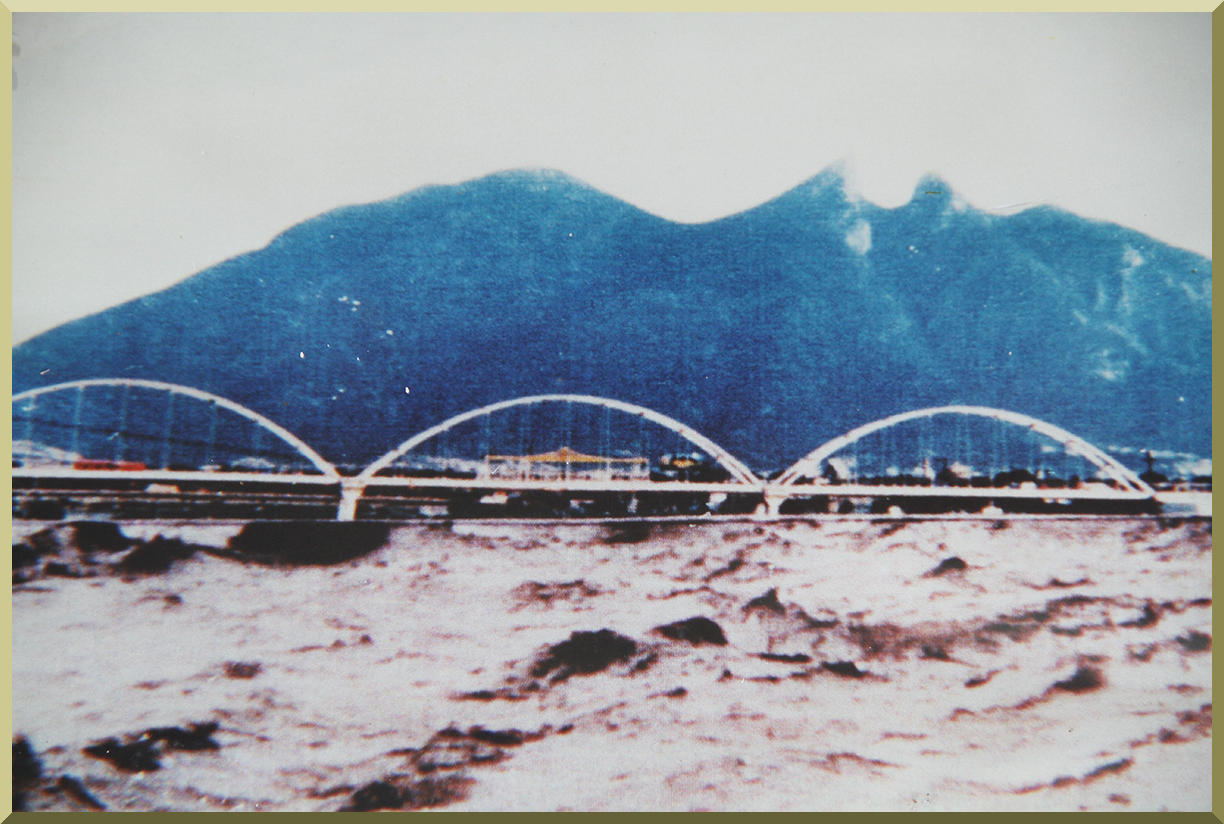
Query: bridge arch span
x,y
301,447
809,465
741,473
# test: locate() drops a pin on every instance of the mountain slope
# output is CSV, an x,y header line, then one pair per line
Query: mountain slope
x,y
769,331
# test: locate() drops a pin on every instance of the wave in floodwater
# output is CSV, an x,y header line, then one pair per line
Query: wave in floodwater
x,y
794,664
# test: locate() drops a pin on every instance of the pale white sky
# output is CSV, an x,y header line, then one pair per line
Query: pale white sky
x,y
148,147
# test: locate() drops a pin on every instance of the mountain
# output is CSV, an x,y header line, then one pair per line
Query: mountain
x,y
769,331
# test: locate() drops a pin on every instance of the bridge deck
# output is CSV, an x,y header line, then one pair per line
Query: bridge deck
x,y
1089,492
171,475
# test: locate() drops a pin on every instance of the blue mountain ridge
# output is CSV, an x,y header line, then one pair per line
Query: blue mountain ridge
x,y
770,330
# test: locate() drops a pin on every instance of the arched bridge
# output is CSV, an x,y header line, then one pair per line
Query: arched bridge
x,y
958,452
140,448
604,455
812,463
148,448
160,426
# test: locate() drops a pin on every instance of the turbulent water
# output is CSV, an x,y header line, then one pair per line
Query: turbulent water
x,y
791,665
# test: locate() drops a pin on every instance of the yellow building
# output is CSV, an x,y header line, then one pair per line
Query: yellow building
x,y
566,463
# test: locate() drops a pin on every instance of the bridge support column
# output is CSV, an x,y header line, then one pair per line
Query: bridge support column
x,y
770,507
350,493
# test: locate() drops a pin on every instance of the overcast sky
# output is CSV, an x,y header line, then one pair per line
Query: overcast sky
x,y
148,147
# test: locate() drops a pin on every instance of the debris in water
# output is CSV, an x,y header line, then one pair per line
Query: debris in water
x,y
846,669
1085,679
72,787
796,658
306,543
242,669
1194,641
952,564
401,792
696,631
195,737
155,556
141,755
585,653
768,601
27,771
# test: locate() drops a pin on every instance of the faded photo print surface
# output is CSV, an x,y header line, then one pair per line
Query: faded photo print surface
x,y
611,412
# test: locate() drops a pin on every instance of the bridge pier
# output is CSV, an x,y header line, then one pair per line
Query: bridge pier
x,y
770,507
350,494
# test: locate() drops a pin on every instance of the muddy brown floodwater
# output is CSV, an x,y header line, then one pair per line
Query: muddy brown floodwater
x,y
1025,664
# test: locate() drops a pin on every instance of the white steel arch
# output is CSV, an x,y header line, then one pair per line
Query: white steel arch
x,y
810,463
733,465
319,462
